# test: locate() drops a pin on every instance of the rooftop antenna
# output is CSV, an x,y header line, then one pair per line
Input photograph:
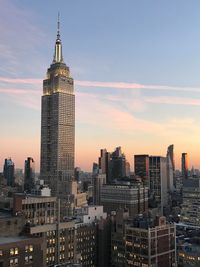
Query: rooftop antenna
x,y
58,26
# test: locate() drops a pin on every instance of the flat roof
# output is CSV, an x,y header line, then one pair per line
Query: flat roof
x,y
13,239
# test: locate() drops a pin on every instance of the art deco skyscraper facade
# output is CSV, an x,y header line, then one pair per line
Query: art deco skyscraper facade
x,y
58,125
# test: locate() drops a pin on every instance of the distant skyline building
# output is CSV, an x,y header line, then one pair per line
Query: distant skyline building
x,y
141,167
9,172
58,125
29,174
184,165
158,180
104,163
117,165
170,168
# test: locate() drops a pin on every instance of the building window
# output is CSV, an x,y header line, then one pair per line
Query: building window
x,y
14,262
14,251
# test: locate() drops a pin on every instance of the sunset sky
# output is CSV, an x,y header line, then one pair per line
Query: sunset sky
x,y
136,66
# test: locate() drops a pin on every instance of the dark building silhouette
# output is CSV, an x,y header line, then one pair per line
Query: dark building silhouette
x,y
117,165
104,163
184,165
9,172
29,174
141,164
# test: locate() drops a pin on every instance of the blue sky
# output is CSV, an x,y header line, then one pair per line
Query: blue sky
x,y
136,69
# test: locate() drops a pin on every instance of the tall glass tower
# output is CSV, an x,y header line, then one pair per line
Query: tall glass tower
x,y
58,125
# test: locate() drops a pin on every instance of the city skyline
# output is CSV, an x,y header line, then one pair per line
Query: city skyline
x,y
137,93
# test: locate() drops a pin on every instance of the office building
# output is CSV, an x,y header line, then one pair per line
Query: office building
x,y
118,237
188,253
132,197
141,167
9,172
190,212
29,175
21,251
98,181
58,126
117,165
184,165
158,181
147,245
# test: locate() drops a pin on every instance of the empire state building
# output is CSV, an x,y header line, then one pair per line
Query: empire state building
x,y
58,124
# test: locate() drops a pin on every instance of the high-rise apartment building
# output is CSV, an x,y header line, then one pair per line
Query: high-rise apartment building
x,y
58,125
9,172
184,165
29,174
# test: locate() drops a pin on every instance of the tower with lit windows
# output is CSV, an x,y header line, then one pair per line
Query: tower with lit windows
x,y
58,125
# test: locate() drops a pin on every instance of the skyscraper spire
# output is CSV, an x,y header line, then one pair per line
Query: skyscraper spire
x,y
58,26
58,57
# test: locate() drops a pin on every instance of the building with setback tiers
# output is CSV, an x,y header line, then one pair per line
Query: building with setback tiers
x,y
58,125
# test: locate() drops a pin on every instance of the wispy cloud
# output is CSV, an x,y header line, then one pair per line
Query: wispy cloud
x,y
173,100
99,84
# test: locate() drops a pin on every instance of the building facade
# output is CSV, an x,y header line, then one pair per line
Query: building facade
x,y
147,246
134,198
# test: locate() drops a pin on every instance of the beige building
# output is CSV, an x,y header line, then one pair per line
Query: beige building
x,y
132,197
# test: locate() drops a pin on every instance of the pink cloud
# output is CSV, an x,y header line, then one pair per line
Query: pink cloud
x,y
101,84
20,81
173,100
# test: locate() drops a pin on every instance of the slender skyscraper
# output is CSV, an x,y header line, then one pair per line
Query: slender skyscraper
x,y
58,125
184,165
29,174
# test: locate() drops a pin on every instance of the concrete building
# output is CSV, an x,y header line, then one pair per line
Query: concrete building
x,y
190,212
147,246
9,172
132,197
58,126
42,219
29,174
37,210
90,214
21,251
184,165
